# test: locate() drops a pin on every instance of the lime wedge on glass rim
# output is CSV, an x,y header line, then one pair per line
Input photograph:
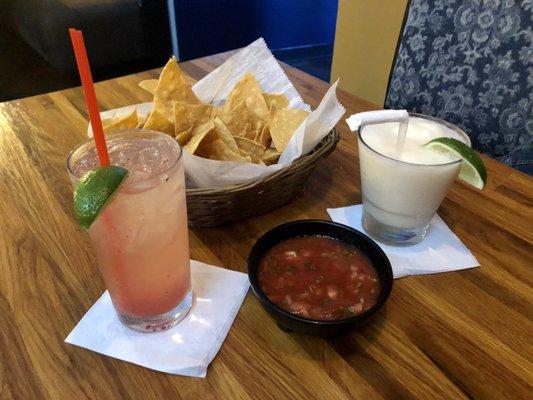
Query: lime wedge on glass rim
x,y
93,192
472,170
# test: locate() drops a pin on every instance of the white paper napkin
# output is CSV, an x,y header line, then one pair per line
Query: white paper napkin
x,y
440,251
186,349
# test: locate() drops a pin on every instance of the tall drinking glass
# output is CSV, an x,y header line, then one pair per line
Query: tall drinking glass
x,y
141,237
402,190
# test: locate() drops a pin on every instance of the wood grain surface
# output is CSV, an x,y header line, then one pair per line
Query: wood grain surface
x,y
449,336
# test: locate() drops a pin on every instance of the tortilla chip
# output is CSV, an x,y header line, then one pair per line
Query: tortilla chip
x,y
205,132
270,156
128,121
264,136
184,137
251,130
257,133
218,150
283,123
237,120
248,132
157,122
275,101
150,85
249,147
187,116
225,134
257,128
247,91
172,88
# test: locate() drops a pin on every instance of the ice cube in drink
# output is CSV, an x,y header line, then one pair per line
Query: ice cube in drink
x,y
141,236
402,188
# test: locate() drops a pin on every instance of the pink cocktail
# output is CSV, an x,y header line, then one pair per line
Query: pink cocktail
x,y
141,237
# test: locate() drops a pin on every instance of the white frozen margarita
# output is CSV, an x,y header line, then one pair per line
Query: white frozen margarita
x,y
403,181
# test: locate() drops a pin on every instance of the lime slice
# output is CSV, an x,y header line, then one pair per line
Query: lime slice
x,y
472,169
93,192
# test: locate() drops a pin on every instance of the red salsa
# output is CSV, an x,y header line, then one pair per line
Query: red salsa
x,y
319,278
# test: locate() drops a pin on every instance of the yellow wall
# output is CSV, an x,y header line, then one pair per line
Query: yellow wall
x,y
365,42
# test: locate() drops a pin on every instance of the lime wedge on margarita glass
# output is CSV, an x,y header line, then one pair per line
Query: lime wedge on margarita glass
x,y
472,170
93,192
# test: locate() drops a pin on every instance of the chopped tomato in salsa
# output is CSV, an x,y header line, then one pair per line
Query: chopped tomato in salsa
x,y
319,278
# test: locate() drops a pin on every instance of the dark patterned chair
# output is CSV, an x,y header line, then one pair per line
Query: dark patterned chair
x,y
470,62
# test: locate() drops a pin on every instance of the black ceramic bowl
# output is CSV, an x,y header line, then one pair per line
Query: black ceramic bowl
x,y
291,322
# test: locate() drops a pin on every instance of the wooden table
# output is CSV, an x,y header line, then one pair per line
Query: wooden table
x,y
456,335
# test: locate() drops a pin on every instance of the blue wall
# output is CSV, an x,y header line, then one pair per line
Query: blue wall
x,y
211,26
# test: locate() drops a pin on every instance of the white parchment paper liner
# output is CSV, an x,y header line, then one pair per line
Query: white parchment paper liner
x,y
216,86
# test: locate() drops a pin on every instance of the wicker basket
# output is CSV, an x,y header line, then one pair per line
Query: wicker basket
x,y
211,207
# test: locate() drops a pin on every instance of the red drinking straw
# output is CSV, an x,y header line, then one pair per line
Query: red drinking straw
x,y
86,78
